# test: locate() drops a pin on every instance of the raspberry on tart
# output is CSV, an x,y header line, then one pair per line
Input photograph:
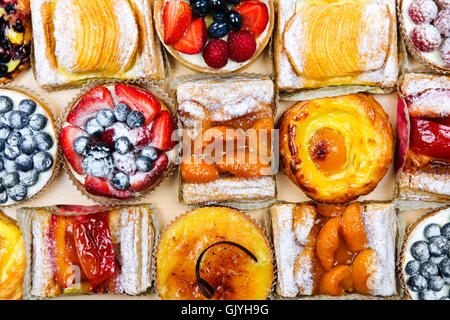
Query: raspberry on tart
x,y
117,141
195,31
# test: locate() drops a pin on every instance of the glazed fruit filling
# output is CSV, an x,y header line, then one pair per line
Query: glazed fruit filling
x,y
119,147
82,243
232,26
336,249
429,271
24,148
328,151
430,137
14,42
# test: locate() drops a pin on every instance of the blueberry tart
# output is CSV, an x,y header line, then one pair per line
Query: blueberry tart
x,y
117,141
28,147
425,263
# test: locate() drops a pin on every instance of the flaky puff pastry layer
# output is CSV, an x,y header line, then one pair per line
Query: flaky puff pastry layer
x,y
368,145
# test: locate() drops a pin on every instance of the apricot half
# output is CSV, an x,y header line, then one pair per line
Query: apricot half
x,y
353,228
327,150
336,281
362,269
198,171
327,242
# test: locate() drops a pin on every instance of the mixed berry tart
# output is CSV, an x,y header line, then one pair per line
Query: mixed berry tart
x,y
214,36
425,27
28,148
425,263
117,141
15,37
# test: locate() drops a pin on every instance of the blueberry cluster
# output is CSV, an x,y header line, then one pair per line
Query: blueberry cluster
x,y
23,148
224,20
119,159
430,269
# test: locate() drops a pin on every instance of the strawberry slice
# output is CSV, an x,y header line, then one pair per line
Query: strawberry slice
x,y
67,137
194,39
142,180
177,15
96,99
139,100
162,130
255,16
102,187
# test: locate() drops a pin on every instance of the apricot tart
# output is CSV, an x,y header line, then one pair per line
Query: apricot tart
x,y
76,40
28,147
214,253
82,250
214,36
336,149
117,141
227,142
335,250
330,43
425,263
423,156
12,259
15,39
425,27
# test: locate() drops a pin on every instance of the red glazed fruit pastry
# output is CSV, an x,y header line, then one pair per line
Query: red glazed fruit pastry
x,y
117,141
214,36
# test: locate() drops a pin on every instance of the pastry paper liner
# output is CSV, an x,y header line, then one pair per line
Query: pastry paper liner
x,y
414,61
56,124
402,246
24,222
263,228
163,96
240,205
347,296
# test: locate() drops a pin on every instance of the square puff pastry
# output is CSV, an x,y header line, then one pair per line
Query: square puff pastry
x,y
380,226
76,40
330,43
224,100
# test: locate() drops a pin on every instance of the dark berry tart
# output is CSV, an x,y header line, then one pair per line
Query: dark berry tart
x,y
28,154
214,36
15,38
117,142
425,257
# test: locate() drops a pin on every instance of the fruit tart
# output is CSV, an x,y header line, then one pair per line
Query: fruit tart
x,y
227,151
117,142
423,129
15,39
214,36
12,259
337,148
214,253
76,40
74,249
335,43
425,27
28,147
335,250
425,263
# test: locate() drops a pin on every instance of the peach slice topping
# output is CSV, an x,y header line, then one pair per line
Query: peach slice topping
x,y
362,269
353,228
244,164
336,281
327,242
198,171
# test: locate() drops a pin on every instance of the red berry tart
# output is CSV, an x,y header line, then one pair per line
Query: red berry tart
x,y
214,36
425,26
117,141
15,39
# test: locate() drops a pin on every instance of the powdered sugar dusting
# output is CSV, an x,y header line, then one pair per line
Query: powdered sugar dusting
x,y
303,275
235,109
436,183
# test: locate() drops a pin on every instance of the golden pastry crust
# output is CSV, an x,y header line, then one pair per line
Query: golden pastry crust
x,y
233,275
336,149
12,259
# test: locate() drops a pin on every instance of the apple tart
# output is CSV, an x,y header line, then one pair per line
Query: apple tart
x,y
214,253
423,126
336,149
334,250
77,40
331,43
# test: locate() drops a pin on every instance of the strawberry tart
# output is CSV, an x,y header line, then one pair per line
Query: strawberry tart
x,y
117,141
214,36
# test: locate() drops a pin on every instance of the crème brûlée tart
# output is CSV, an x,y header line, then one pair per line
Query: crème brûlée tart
x,y
76,40
214,253
12,259
338,148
